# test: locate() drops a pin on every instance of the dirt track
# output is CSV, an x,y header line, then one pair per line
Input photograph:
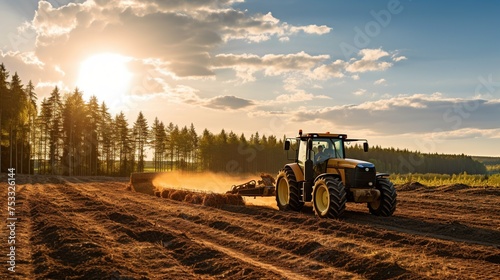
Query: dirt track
x,y
91,228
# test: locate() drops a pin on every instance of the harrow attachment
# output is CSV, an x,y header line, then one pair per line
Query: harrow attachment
x,y
264,187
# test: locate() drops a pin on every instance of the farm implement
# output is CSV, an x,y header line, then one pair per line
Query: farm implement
x,y
264,187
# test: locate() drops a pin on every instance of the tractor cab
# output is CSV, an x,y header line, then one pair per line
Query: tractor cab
x,y
317,149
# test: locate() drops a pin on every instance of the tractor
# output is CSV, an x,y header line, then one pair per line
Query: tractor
x,y
322,175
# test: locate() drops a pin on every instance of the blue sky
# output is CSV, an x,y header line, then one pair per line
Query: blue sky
x,y
420,75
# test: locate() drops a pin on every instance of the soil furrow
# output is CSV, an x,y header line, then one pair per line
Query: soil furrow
x,y
92,228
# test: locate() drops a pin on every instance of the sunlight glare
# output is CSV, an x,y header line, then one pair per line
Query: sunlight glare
x,y
106,76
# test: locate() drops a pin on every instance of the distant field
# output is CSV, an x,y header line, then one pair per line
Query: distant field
x,y
430,179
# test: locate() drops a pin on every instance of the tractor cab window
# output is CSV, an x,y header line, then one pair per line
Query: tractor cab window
x,y
302,156
324,149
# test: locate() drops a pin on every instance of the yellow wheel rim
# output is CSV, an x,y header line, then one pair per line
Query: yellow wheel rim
x,y
283,192
322,199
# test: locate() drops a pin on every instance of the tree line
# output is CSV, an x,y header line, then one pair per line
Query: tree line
x,y
404,161
67,135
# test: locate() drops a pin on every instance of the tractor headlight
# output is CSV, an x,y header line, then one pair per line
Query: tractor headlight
x,y
365,165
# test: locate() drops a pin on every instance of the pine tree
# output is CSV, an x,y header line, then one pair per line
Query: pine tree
x,y
193,138
106,138
184,145
93,131
43,121
55,130
125,145
74,122
141,134
32,113
206,147
170,144
159,144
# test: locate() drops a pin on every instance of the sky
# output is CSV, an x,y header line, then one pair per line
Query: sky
x,y
418,75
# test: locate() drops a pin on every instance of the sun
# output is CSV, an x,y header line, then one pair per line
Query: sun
x,y
106,76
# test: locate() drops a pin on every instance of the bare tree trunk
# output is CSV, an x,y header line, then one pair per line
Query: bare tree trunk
x,y
0,140
10,147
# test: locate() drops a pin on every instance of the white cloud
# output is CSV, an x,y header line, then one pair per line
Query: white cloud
x,y
398,58
372,54
312,29
361,66
272,64
380,82
359,92
246,65
295,97
327,71
465,133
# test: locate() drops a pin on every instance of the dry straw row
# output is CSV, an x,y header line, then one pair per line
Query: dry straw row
x,y
216,200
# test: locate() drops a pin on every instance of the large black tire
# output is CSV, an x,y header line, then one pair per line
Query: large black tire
x,y
288,191
386,204
329,197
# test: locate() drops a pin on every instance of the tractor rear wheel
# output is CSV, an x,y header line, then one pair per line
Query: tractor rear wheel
x,y
288,191
386,204
329,197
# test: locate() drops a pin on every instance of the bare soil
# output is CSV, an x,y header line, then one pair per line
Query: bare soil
x,y
93,228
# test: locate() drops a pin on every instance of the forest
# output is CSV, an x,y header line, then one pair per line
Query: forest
x,y
65,135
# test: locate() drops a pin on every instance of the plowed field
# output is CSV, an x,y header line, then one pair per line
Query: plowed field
x,y
93,228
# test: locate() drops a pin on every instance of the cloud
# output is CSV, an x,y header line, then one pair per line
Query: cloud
x,y
292,85
360,92
227,103
418,113
398,58
380,82
246,65
335,69
466,133
312,29
372,54
298,96
370,61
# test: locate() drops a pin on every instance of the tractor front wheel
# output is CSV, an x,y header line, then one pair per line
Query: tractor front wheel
x,y
329,197
386,204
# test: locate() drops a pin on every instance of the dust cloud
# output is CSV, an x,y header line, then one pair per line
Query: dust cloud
x,y
269,201
204,181
210,182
